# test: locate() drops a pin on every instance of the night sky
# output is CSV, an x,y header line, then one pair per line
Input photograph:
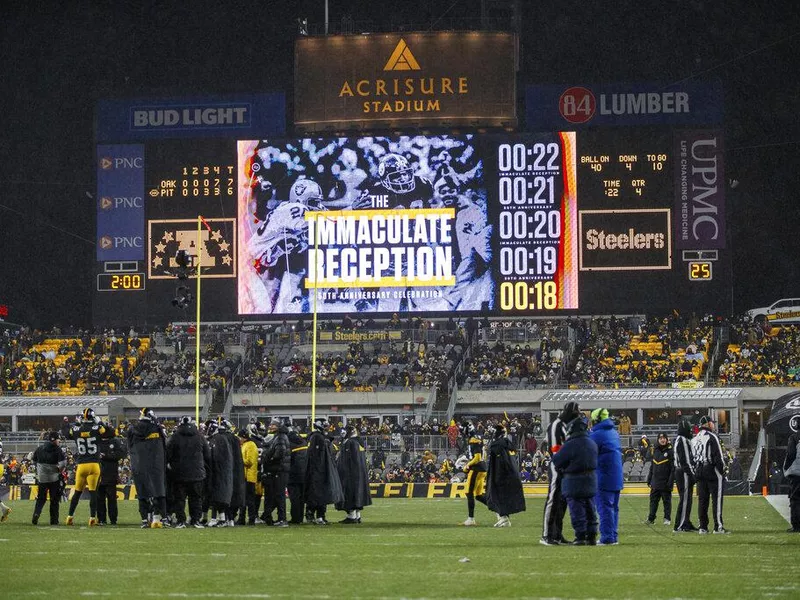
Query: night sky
x,y
58,58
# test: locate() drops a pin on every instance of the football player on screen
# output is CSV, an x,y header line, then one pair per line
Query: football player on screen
x,y
396,187
474,284
279,245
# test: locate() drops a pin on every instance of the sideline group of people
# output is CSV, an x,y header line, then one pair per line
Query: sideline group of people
x,y
212,468
586,476
215,470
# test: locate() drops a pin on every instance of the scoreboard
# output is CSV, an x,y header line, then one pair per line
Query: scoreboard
x,y
608,221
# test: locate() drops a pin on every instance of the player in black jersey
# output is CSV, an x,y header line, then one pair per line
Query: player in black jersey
x,y
475,470
87,435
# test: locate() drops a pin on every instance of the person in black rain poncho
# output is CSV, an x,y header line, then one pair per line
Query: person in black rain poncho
x,y
238,491
147,447
275,466
504,493
297,473
352,468
219,483
188,456
322,482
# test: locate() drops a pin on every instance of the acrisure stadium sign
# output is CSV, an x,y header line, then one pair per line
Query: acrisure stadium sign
x,y
401,80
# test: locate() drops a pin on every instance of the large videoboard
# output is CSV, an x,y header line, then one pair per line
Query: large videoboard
x,y
594,222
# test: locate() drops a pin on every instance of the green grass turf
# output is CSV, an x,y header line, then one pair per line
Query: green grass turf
x,y
404,549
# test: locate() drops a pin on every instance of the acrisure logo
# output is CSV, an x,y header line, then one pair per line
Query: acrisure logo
x,y
402,59
403,94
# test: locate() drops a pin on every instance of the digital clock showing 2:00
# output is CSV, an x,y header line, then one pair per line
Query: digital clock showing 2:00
x,y
114,282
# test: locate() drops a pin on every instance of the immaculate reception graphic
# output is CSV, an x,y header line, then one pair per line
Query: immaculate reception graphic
x,y
406,224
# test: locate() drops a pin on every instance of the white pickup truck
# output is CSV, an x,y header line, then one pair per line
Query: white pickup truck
x,y
785,310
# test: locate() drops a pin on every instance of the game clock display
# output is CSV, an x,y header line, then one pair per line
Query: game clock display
x,y
535,211
116,282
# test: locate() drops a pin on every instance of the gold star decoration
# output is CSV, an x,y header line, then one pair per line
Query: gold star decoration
x,y
160,247
168,236
223,245
227,259
216,235
158,261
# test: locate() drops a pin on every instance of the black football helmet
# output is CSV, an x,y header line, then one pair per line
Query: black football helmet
x,y
396,174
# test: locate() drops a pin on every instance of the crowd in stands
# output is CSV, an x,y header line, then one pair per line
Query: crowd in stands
x,y
640,352
70,364
408,353
175,371
378,364
761,354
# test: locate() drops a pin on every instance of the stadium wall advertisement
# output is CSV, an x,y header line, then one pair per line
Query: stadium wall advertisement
x,y
412,79
120,202
620,104
377,490
131,120
699,190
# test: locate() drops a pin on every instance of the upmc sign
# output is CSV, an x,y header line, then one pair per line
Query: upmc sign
x,y
557,106
413,79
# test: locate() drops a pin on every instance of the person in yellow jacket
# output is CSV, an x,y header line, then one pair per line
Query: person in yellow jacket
x,y
250,458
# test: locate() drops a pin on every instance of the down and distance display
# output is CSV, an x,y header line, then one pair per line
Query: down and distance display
x,y
497,224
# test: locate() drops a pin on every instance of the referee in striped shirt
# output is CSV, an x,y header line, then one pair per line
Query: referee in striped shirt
x,y
555,505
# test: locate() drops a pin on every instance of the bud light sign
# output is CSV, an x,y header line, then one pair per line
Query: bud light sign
x,y
120,202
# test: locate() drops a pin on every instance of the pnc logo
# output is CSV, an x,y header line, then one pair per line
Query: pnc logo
x,y
401,59
106,242
106,203
106,163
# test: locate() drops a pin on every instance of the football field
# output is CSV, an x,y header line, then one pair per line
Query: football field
x,y
404,549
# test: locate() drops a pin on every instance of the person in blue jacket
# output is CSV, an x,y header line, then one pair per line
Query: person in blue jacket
x,y
609,474
577,460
